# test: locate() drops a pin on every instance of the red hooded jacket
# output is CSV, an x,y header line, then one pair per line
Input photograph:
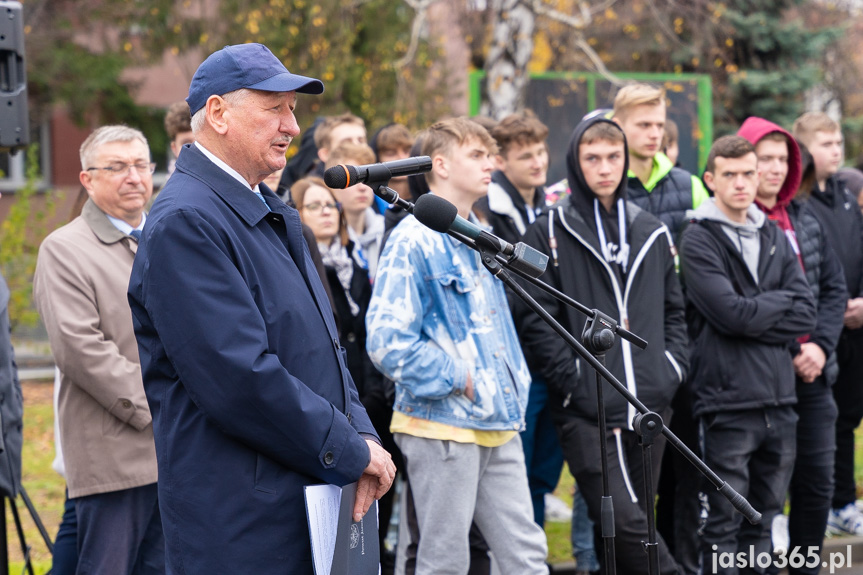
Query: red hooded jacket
x,y
754,129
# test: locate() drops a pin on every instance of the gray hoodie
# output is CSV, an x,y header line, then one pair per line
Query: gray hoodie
x,y
743,236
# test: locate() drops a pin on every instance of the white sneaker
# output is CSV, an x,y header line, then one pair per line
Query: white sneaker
x,y
845,521
556,511
779,534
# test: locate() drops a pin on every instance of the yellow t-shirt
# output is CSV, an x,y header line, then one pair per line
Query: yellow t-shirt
x,y
426,429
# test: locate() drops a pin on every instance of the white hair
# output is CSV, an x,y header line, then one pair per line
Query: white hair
x,y
107,135
232,98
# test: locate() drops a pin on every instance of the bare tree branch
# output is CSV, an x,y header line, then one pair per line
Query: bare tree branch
x,y
577,22
657,17
421,8
596,60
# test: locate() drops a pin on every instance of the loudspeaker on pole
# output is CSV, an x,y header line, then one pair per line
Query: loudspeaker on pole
x,y
14,117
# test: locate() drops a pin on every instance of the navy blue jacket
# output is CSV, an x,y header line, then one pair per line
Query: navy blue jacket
x,y
244,374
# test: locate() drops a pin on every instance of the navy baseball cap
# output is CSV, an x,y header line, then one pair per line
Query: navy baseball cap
x,y
250,66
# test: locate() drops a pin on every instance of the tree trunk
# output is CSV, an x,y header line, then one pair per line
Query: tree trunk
x,y
511,49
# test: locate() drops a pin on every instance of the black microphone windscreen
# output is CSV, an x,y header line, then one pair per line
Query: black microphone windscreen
x,y
340,177
435,212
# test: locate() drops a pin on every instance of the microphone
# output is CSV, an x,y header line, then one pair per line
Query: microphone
x,y
442,216
344,176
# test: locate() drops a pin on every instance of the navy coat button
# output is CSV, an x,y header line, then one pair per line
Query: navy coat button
x,y
328,458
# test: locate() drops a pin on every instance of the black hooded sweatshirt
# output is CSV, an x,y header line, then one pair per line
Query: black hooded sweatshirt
x,y
641,291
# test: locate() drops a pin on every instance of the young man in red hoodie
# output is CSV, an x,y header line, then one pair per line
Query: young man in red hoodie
x,y
815,367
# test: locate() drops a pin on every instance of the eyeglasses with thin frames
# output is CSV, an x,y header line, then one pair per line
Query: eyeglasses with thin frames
x,y
123,169
319,207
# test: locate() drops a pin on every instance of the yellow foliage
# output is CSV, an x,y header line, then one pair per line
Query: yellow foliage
x,y
253,27
636,56
718,62
729,42
542,56
175,50
154,11
678,69
203,38
178,27
555,102
592,41
696,61
731,68
27,29
316,9
293,30
127,46
610,14
318,21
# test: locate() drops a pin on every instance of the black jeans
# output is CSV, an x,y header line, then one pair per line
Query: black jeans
x,y
579,439
64,560
678,510
811,490
120,532
752,450
848,392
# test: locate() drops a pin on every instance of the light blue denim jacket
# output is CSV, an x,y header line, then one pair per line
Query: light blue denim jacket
x,y
436,314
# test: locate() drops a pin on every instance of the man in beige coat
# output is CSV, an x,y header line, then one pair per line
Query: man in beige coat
x,y
82,274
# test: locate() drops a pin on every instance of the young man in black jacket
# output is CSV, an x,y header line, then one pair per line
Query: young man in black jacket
x,y
837,209
613,256
747,303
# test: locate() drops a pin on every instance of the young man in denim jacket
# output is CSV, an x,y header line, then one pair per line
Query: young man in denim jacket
x,y
439,326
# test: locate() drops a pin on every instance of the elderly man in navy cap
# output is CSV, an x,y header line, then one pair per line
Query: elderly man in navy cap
x,y
241,361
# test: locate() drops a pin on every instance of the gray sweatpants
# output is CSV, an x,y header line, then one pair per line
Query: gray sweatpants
x,y
454,484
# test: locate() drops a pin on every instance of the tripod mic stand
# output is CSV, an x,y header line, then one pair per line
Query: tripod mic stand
x,y
25,548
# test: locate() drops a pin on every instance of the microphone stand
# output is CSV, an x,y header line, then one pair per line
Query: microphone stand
x,y
598,337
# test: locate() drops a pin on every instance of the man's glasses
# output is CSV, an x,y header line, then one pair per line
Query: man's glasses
x,y
122,168
319,207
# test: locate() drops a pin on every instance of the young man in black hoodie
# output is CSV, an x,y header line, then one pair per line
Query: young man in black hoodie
x,y
838,211
814,358
747,303
613,256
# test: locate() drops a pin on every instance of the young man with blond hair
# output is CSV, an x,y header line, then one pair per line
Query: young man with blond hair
x,y
837,209
439,326
654,183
